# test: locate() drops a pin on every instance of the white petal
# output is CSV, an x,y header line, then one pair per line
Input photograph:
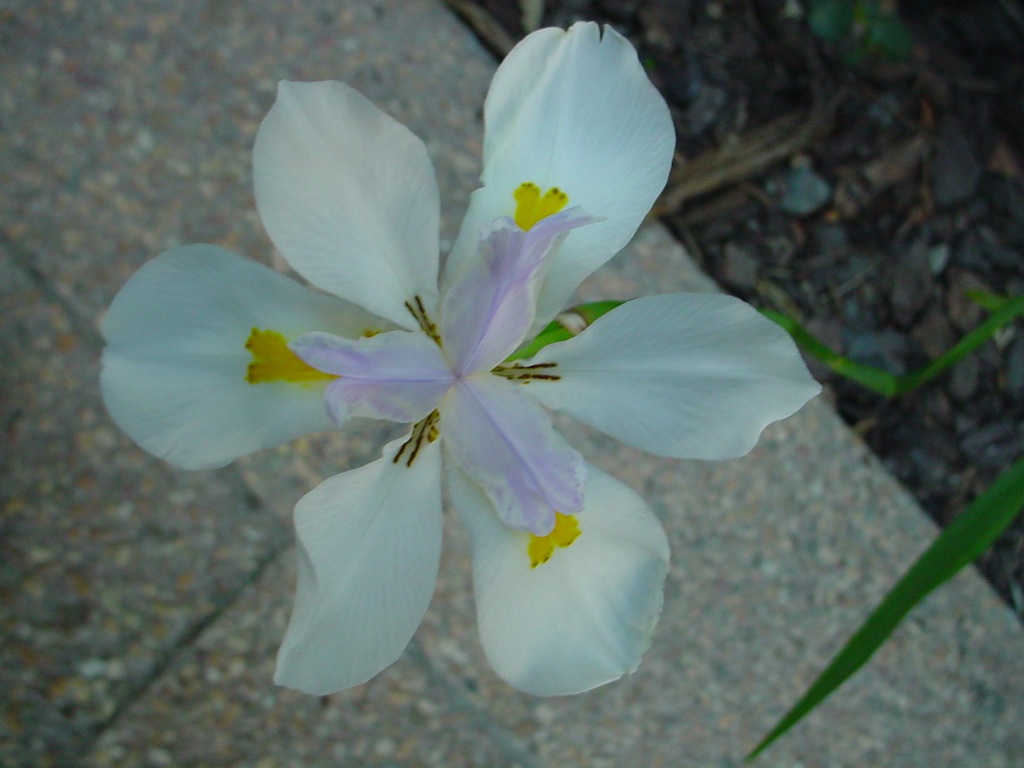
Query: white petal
x,y
583,618
686,375
175,364
573,110
369,549
348,196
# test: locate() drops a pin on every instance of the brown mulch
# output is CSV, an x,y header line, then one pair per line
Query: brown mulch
x,y
865,200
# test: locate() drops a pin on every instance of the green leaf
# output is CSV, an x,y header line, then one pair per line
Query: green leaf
x,y
565,326
873,378
967,536
831,20
890,38
887,384
1010,309
990,301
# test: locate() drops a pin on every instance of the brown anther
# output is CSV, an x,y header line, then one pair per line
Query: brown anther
x,y
419,312
422,430
524,374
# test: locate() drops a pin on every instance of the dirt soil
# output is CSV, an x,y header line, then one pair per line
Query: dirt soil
x,y
866,200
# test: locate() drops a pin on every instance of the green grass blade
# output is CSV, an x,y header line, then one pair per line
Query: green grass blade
x,y
890,385
986,300
967,536
1003,314
882,382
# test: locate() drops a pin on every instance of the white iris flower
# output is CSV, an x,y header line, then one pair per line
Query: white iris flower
x,y
210,356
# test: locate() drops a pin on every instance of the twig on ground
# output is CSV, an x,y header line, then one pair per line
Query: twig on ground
x,y
486,27
748,155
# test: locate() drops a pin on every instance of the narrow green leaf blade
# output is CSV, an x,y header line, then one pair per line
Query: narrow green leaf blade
x,y
889,37
831,20
1004,311
967,536
882,382
986,300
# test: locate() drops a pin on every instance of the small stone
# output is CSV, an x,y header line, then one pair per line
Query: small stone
x,y
967,251
779,249
963,379
805,193
938,257
993,445
1014,368
886,350
426,707
619,10
932,453
159,756
956,169
705,109
938,408
933,333
92,668
1002,256
682,83
451,651
739,268
911,285
545,714
830,237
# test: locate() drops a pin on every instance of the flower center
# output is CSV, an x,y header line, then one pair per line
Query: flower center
x,y
273,361
532,206
565,532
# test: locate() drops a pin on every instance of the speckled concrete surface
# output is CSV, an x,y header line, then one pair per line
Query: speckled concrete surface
x,y
142,606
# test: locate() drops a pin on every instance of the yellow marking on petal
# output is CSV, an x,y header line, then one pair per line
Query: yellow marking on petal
x,y
565,532
273,361
531,206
